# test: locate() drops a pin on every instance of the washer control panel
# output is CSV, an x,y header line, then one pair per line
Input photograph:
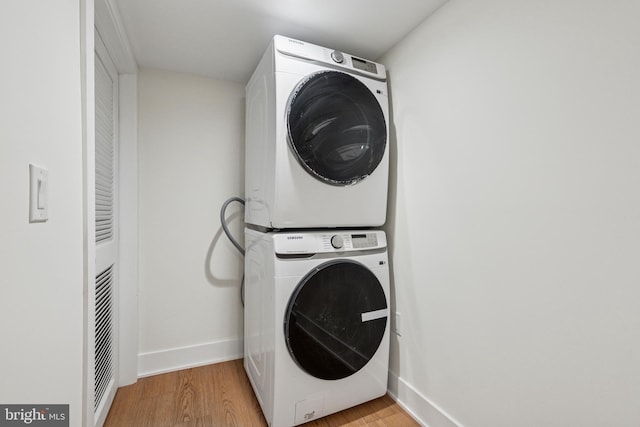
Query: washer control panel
x,y
349,241
306,242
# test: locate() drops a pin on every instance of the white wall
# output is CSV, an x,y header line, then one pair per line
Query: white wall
x,y
515,214
41,264
191,151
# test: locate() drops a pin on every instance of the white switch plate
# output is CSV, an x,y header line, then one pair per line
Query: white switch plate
x,y
38,194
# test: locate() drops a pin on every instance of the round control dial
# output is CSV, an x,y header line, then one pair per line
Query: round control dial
x,y
337,56
337,242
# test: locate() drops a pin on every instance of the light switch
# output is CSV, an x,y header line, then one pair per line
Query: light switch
x,y
38,194
42,194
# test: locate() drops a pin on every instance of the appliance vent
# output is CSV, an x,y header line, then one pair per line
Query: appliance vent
x,y
103,334
104,153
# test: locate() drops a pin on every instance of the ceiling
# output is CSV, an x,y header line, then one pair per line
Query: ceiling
x,y
225,38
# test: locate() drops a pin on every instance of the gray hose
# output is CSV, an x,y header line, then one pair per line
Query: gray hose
x,y
223,221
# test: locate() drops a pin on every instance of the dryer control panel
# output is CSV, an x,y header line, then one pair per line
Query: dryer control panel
x,y
309,242
334,58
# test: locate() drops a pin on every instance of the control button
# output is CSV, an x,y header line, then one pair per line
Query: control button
x,y
337,56
336,242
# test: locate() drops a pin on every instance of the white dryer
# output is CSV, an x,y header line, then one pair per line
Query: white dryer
x,y
316,139
316,321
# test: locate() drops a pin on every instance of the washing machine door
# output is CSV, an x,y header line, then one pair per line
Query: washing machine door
x,y
336,320
336,127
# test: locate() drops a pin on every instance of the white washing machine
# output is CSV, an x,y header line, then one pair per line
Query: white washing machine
x,y
316,139
316,321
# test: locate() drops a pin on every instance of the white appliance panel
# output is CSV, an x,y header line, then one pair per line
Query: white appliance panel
x,y
287,393
281,191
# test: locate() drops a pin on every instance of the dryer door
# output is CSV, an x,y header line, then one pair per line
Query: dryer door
x,y
336,319
336,128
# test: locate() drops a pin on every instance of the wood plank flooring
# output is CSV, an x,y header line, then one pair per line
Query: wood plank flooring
x,y
220,396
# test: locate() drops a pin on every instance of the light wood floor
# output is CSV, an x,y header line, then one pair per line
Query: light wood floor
x,y
220,395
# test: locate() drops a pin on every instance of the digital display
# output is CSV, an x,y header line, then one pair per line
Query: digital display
x,y
364,240
363,65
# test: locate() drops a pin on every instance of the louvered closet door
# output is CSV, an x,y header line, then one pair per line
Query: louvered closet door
x,y
106,234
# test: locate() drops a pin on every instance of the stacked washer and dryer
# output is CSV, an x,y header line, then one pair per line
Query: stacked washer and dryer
x,y
316,272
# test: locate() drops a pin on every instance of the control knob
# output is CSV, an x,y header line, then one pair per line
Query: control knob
x,y
337,56
337,242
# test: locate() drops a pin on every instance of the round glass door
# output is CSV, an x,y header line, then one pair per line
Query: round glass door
x,y
335,320
336,128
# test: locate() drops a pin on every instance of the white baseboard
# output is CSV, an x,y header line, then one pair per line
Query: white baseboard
x,y
424,411
174,359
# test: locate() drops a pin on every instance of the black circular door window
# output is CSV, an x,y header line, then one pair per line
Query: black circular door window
x,y
336,127
335,320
